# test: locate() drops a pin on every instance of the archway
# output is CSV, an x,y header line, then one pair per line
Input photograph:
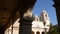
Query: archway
x,y
33,32
37,32
43,32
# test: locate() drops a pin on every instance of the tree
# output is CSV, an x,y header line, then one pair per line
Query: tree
x,y
53,29
33,17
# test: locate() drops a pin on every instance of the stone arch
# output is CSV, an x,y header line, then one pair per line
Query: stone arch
x,y
37,32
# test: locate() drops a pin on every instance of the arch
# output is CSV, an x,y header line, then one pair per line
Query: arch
x,y
43,32
32,32
37,32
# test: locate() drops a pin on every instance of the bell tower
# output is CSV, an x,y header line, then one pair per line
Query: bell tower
x,y
44,16
45,19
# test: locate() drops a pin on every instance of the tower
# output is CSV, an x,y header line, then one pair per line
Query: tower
x,y
45,19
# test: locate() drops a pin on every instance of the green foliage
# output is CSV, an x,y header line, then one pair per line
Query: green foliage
x,y
33,17
53,29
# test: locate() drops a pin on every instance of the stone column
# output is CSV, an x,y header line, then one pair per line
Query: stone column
x,y
25,26
57,6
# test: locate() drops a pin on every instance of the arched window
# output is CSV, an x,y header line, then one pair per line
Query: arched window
x,y
37,32
32,32
43,32
45,15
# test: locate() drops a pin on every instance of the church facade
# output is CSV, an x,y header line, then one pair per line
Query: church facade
x,y
40,25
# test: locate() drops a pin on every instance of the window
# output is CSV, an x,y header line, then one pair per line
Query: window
x,y
45,15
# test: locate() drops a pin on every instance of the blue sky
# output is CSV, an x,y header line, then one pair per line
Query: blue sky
x,y
46,5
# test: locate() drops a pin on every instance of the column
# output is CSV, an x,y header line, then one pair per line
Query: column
x,y
57,6
25,26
